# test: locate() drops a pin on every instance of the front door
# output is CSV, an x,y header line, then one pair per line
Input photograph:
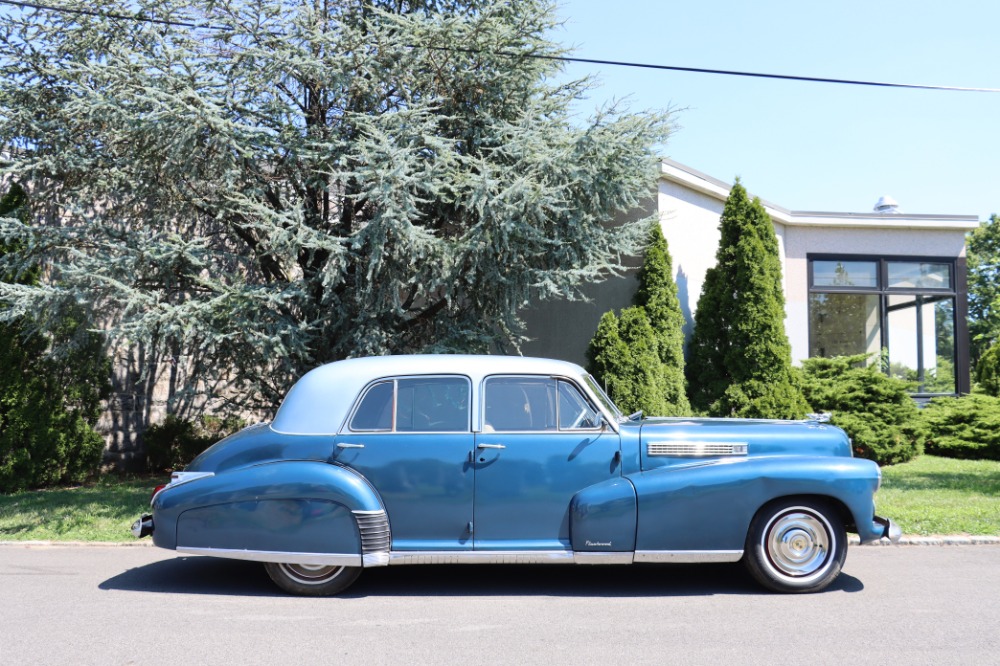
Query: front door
x,y
541,443
411,438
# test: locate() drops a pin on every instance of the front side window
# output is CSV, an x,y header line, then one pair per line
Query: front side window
x,y
528,404
904,307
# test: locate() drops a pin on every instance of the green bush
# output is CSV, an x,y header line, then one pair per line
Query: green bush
x,y
173,444
966,427
48,406
875,410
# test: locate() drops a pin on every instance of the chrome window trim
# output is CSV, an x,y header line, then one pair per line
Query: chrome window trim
x,y
346,428
325,559
688,556
361,398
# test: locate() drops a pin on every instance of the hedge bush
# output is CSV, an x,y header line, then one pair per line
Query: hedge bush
x,y
175,442
874,409
48,406
966,427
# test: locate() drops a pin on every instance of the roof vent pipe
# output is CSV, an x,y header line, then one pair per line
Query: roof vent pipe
x,y
886,205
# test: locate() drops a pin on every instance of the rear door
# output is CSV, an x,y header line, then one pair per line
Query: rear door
x,y
411,438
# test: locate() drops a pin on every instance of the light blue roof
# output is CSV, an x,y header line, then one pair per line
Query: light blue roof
x,y
318,403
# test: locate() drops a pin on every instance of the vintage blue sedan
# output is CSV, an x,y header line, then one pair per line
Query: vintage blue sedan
x,y
497,459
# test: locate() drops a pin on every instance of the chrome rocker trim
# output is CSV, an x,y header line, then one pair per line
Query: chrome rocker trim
x,y
324,559
688,556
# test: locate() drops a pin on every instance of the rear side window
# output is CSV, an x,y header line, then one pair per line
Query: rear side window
x,y
375,410
415,404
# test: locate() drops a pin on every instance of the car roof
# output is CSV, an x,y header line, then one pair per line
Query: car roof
x,y
319,401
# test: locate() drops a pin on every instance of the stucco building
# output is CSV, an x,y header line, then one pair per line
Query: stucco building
x,y
853,282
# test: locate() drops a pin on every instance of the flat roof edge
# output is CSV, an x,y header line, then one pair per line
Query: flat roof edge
x,y
693,179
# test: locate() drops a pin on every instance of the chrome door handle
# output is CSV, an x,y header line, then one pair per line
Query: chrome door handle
x,y
344,445
491,446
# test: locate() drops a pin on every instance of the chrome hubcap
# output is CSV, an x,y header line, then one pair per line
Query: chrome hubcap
x,y
798,543
311,574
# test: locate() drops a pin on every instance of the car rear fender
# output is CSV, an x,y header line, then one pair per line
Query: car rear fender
x,y
300,507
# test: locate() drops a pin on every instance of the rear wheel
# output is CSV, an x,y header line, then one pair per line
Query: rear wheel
x,y
796,546
315,580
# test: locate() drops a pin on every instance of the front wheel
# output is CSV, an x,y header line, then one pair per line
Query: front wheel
x,y
796,546
312,580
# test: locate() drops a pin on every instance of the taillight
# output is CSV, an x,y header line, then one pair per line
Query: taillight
x,y
156,490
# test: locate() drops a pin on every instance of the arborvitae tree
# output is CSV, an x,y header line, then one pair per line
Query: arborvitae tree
x,y
657,295
298,182
984,286
739,361
47,407
624,359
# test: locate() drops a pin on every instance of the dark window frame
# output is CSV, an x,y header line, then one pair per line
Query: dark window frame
x,y
958,291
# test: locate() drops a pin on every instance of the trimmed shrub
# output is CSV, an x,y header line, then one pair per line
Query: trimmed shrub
x,y
966,427
875,410
173,444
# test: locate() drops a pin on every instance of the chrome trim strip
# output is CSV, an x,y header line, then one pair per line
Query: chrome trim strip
x,y
688,556
602,558
695,449
481,557
376,538
330,559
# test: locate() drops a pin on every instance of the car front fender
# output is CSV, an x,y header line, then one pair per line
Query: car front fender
x,y
709,506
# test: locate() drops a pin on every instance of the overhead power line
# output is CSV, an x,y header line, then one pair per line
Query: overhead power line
x,y
588,61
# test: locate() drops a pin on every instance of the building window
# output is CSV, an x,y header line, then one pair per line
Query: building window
x,y
904,306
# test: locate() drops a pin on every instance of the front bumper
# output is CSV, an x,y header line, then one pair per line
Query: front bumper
x,y
143,527
890,529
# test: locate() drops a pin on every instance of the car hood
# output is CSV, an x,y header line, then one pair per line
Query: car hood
x,y
761,437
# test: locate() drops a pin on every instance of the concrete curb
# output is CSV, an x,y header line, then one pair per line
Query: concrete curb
x,y
935,540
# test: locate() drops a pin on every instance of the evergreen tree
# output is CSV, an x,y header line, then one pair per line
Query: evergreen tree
x,y
657,295
297,182
984,286
624,358
739,361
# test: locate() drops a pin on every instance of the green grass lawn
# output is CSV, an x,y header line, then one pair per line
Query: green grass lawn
x,y
931,495
102,511
928,495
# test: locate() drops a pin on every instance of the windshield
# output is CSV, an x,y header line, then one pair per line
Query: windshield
x,y
603,397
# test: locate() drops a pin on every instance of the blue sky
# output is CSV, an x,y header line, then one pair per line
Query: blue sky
x,y
812,146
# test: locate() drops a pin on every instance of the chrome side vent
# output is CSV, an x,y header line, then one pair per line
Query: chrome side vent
x,y
375,537
689,449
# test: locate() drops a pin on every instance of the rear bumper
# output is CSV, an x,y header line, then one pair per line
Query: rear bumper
x,y
884,528
143,527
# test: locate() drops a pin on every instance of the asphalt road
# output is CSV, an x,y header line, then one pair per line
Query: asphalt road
x,y
118,605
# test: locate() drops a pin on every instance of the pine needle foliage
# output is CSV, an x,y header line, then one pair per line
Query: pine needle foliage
x,y
309,181
739,358
964,427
